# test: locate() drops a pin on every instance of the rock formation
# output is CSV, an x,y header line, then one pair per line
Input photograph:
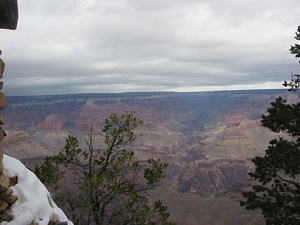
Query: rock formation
x,y
6,194
206,138
189,140
34,205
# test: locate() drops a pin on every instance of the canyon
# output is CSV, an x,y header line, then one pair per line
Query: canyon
x,y
207,138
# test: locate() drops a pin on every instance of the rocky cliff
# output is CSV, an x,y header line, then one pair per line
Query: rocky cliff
x,y
207,138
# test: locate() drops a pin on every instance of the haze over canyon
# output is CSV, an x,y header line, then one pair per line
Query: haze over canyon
x,y
207,138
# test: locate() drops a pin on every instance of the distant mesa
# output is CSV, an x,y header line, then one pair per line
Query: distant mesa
x,y
91,104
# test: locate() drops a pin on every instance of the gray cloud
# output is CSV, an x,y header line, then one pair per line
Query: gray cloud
x,y
179,45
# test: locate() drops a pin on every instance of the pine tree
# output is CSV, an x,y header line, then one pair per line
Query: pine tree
x,y
110,185
294,84
277,192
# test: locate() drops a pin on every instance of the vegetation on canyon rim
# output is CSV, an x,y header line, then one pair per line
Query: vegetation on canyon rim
x,y
277,193
109,186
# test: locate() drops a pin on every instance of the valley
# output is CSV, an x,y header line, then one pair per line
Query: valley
x,y
207,138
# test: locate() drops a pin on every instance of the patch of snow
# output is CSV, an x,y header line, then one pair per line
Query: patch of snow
x,y
34,200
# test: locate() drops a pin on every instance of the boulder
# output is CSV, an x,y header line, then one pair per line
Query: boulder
x,y
6,215
3,205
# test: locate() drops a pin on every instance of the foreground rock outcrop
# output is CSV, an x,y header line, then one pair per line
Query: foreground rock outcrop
x,y
28,200
7,197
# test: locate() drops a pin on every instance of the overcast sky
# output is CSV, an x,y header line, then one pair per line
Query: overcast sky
x,y
88,46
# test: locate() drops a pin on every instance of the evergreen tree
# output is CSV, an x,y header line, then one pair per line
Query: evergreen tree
x,y
294,84
110,185
277,192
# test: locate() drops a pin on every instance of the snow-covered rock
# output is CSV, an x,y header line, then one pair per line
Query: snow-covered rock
x,y
34,201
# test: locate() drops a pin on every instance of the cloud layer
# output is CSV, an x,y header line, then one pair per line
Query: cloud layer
x,y
76,46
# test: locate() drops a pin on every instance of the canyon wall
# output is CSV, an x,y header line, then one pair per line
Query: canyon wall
x,y
208,138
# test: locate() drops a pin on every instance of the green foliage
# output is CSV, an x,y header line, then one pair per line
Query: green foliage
x,y
109,184
295,49
283,117
277,192
294,84
155,173
49,173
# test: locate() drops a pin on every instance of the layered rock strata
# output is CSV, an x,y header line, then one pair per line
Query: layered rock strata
x,y
6,193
